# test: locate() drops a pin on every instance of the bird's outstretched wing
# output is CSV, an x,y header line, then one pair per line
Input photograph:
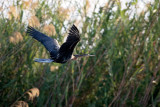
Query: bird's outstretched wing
x,y
50,44
72,40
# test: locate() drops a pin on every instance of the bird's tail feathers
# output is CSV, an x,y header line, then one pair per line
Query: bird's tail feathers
x,y
43,60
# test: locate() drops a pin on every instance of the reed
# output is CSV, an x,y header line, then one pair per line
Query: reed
x,y
123,72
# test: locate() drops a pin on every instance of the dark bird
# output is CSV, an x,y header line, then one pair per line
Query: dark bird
x,y
58,54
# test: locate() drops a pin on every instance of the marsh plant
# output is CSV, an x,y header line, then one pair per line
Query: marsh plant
x,y
125,41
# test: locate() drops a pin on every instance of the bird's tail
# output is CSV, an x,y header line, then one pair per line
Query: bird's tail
x,y
79,56
43,60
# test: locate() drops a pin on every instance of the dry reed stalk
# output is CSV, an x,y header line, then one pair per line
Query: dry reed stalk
x,y
20,104
31,94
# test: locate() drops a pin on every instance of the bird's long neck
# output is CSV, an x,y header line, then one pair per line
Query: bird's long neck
x,y
80,55
74,57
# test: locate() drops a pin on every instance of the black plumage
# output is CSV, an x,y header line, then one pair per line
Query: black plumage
x,y
58,54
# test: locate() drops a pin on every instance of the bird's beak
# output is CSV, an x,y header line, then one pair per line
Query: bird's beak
x,y
91,55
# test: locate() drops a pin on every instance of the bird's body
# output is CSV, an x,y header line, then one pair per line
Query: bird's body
x,y
58,54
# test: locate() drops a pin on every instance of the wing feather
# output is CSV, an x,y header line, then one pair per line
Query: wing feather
x,y
50,44
71,41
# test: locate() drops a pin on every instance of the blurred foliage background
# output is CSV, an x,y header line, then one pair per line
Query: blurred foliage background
x,y
124,72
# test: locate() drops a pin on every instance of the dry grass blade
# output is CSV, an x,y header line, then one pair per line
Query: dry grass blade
x,y
34,21
32,93
16,38
49,29
20,104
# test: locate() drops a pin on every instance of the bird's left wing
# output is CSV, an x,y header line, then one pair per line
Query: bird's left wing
x,y
72,40
50,44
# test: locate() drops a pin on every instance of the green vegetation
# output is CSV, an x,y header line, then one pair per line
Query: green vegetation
x,y
124,72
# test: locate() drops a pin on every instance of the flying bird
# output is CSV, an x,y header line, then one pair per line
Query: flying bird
x,y
58,54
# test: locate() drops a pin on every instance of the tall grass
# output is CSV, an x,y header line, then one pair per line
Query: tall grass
x,y
124,71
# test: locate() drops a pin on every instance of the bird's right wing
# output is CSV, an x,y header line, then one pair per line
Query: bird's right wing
x,y
50,44
72,40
